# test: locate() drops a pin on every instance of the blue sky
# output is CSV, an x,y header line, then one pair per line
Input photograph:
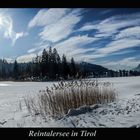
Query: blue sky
x,y
109,37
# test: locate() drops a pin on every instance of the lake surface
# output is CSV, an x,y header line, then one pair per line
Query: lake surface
x,y
13,93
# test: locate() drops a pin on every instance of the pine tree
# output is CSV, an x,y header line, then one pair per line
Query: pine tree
x,y
44,63
3,71
37,69
59,66
73,67
120,73
65,67
16,70
50,67
28,70
55,61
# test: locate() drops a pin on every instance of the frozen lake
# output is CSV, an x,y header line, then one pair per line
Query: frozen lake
x,y
12,93
124,85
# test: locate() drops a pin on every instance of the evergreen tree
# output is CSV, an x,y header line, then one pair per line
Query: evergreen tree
x,y
28,71
44,63
50,61
3,71
59,66
16,70
37,66
65,67
54,64
120,73
51,66
73,67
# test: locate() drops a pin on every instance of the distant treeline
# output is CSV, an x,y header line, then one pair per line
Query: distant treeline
x,y
122,73
50,66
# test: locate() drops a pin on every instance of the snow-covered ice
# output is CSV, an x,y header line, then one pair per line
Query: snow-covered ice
x,y
125,112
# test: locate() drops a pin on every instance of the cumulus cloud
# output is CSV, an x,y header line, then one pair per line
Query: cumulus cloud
x,y
6,25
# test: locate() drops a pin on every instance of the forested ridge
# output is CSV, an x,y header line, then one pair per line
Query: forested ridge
x,y
50,66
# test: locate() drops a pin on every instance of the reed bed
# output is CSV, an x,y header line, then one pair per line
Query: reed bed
x,y
56,101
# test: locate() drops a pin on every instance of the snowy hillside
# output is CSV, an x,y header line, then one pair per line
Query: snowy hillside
x,y
137,68
124,112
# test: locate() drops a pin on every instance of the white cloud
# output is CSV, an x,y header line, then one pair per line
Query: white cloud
x,y
38,48
118,45
6,25
123,52
31,54
87,27
26,58
73,47
125,38
17,36
133,32
111,25
126,63
57,23
112,48
102,35
47,17
9,60
32,50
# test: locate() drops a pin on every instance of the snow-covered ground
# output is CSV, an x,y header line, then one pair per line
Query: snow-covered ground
x,y
125,112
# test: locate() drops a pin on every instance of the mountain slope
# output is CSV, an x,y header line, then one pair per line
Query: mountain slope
x,y
137,68
93,68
